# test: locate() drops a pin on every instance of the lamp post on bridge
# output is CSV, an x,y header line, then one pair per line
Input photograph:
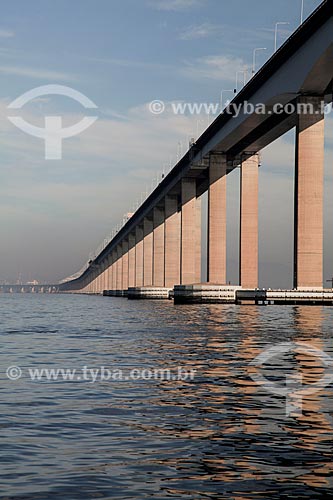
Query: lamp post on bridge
x,y
302,11
254,58
244,76
223,92
276,32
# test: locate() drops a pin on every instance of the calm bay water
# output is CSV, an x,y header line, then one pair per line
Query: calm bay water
x,y
218,436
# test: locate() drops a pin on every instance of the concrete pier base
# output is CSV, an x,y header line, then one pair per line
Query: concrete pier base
x,y
223,294
205,293
314,296
149,292
115,293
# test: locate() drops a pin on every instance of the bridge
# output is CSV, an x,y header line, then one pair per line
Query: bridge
x,y
159,247
20,288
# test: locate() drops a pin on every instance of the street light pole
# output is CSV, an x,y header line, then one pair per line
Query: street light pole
x,y
237,73
223,92
302,11
254,58
276,32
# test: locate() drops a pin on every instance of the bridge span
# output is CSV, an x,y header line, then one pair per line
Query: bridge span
x,y
160,245
20,288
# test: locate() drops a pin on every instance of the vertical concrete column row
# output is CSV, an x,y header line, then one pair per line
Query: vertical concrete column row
x,y
147,252
125,265
94,281
217,220
139,256
104,270
248,252
119,267
114,269
158,247
190,231
172,241
131,260
109,273
309,181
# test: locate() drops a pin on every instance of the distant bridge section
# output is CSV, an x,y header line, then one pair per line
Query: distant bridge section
x,y
29,288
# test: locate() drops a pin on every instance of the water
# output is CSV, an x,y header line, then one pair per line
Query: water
x,y
218,436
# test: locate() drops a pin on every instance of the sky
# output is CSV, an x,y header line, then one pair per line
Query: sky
x,y
122,55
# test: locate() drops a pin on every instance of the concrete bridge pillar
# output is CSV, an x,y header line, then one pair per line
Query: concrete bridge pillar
x,y
99,277
248,252
172,241
309,181
158,247
109,273
104,274
217,221
95,278
131,260
139,256
119,267
91,286
114,269
96,281
147,252
125,265
190,233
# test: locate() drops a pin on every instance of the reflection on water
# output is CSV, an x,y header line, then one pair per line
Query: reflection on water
x,y
218,436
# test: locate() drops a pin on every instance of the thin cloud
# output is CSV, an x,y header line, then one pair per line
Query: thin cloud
x,y
128,63
215,67
204,30
35,73
175,5
6,33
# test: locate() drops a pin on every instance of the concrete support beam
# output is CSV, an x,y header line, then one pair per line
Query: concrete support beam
x,y
125,265
309,182
217,220
172,242
109,273
147,252
131,260
198,242
119,267
158,247
190,233
114,269
95,278
248,253
101,277
139,256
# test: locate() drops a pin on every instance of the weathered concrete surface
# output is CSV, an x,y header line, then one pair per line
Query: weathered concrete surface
x,y
158,247
190,233
172,242
248,252
217,220
309,183
149,292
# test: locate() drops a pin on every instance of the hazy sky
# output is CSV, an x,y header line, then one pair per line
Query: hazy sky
x,y
122,55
